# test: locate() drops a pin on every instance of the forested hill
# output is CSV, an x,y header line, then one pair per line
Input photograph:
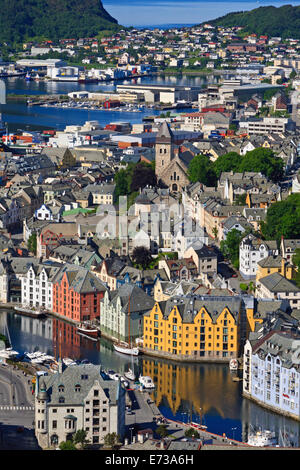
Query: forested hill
x,y
22,20
282,21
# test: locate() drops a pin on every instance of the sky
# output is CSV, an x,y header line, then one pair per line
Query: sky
x,y
156,12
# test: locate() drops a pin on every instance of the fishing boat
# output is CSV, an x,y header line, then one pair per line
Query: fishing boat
x,y
233,364
261,438
122,346
88,330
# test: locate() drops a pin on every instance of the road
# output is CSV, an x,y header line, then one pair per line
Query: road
x,y
16,410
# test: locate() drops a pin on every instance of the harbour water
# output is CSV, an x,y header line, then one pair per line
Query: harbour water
x,y
18,115
205,392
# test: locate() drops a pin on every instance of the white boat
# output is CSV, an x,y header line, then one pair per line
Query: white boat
x,y
69,362
129,375
124,348
146,381
8,353
124,382
233,364
262,439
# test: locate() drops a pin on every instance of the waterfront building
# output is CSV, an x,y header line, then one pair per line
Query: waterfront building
x,y
37,287
78,398
195,327
77,293
123,311
271,374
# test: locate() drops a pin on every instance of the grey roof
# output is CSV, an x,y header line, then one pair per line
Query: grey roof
x,y
189,306
133,298
81,279
83,375
277,283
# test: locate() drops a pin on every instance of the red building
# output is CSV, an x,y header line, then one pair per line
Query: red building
x,y
77,293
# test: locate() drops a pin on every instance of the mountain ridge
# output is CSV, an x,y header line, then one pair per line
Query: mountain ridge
x,y
23,20
281,21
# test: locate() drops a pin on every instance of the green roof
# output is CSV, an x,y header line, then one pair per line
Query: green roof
x,y
79,210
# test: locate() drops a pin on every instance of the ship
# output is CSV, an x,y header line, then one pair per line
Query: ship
x,y
264,438
88,330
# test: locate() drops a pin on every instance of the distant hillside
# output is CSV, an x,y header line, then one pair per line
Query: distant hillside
x,y
52,19
283,21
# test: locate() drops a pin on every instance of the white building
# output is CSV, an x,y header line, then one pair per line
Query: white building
x,y
271,375
252,250
37,287
78,398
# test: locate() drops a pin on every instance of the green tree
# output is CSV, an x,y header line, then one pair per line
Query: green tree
x,y
161,431
142,175
264,161
67,445
296,258
80,438
283,219
228,162
201,169
191,432
32,243
111,440
141,256
230,246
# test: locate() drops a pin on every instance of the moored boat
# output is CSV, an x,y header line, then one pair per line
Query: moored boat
x,y
233,364
130,375
146,381
124,348
264,438
88,330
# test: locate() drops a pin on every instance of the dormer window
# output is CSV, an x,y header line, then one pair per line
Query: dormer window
x,y
61,389
61,400
77,388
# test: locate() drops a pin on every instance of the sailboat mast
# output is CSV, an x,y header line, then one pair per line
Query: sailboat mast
x,y
129,342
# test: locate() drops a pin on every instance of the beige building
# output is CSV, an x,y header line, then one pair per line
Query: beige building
x,y
78,398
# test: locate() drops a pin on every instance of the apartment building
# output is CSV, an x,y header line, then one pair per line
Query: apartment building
x,y
76,398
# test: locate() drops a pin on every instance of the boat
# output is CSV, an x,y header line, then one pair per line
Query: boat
x,y
264,438
198,426
122,346
146,381
130,375
29,311
69,362
233,364
8,353
88,330
28,77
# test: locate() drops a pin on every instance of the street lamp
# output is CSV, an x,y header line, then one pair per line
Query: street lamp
x,y
131,429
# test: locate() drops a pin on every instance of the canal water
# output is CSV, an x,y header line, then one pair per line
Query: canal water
x,y
205,392
19,116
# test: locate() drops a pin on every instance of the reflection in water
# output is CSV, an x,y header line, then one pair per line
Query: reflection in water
x,y
204,393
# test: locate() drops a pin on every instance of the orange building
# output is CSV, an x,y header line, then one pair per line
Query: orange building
x,y
77,294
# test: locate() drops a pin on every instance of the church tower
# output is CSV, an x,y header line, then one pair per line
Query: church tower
x,y
164,149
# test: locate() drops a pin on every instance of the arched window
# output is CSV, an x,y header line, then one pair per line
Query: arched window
x,y
61,388
61,400
77,388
